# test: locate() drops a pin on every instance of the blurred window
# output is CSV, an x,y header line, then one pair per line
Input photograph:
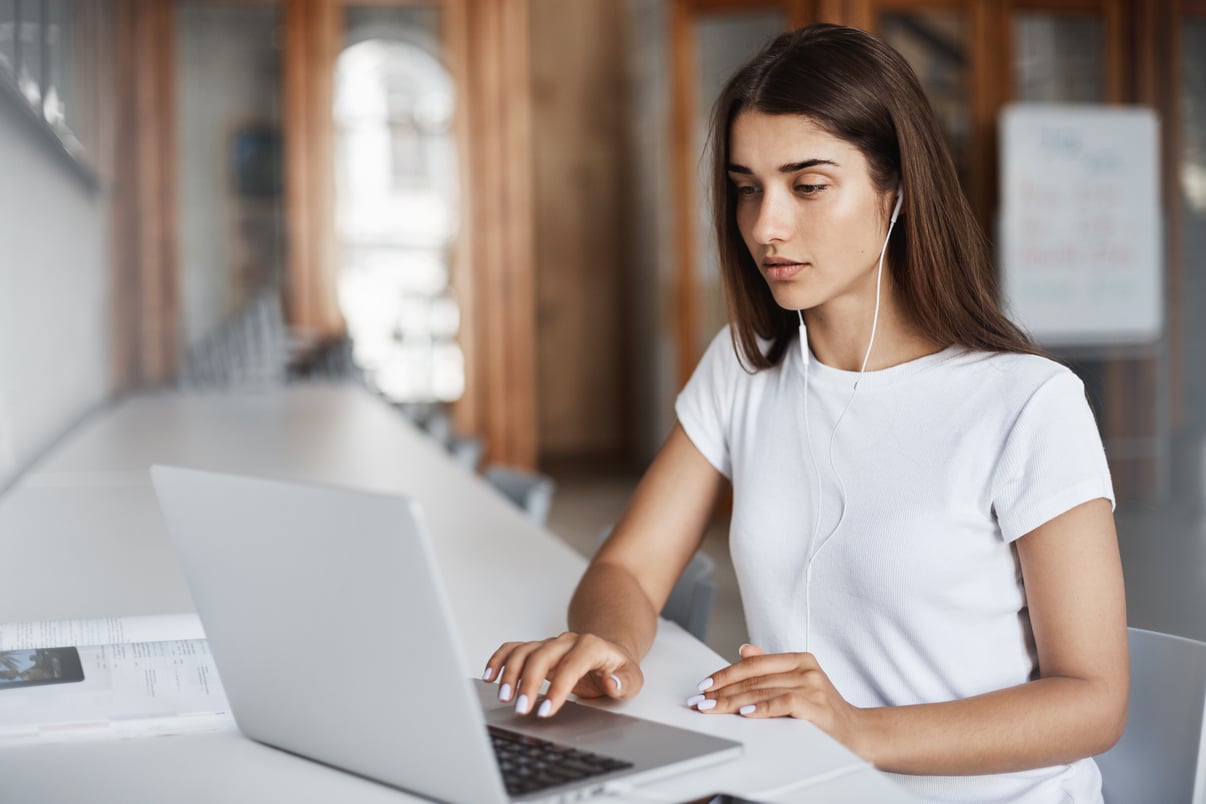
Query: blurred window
x,y
50,53
1193,121
8,33
934,42
397,203
1059,57
1192,101
30,39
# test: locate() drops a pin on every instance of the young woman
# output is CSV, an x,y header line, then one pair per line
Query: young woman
x,y
922,514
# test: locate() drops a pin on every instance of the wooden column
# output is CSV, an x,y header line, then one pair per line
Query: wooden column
x,y
145,267
311,45
579,119
684,156
499,341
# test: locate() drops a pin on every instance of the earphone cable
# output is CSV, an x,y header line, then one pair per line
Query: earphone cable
x,y
816,525
879,273
815,549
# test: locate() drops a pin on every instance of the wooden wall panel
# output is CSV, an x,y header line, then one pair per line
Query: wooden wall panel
x,y
684,155
497,93
144,273
311,44
123,281
579,119
468,411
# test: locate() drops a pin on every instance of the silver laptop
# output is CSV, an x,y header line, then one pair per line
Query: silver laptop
x,y
330,627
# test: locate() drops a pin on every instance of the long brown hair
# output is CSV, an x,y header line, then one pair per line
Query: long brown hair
x,y
860,90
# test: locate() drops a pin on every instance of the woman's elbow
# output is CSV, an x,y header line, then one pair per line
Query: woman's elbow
x,y
1110,723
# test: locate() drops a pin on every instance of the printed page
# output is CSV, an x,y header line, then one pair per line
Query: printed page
x,y
106,631
110,691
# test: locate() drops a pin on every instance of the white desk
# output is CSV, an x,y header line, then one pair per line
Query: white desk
x,y
81,536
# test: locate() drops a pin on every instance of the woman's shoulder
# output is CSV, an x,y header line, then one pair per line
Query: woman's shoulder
x,y
724,350
1012,374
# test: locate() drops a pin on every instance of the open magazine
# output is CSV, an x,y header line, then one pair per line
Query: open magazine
x,y
68,680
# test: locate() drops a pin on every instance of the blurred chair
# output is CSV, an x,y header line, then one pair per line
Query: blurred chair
x,y
531,491
251,348
433,418
693,596
438,425
1160,756
326,359
467,451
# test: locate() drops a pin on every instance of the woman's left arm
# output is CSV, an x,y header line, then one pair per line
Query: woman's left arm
x,y
1075,708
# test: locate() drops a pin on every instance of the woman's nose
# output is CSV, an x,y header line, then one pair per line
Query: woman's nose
x,y
774,221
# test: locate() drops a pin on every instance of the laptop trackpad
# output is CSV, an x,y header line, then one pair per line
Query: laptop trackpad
x,y
572,721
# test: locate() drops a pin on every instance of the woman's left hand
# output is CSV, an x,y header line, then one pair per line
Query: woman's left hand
x,y
780,685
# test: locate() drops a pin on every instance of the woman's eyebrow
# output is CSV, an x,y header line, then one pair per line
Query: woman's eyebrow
x,y
790,167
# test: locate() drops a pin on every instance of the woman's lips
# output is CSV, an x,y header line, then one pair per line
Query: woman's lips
x,y
778,272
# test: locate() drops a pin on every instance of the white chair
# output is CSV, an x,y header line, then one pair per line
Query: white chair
x,y
691,599
1160,757
531,491
693,596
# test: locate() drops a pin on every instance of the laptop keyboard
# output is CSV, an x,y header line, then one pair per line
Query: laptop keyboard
x,y
529,764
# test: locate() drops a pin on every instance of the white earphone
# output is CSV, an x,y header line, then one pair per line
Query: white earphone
x,y
891,223
813,549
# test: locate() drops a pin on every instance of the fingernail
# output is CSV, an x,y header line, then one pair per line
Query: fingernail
x,y
709,703
488,675
521,705
544,709
616,679
694,699
705,684
741,650
504,693
748,709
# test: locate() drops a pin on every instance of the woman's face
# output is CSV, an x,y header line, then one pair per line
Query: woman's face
x,y
808,211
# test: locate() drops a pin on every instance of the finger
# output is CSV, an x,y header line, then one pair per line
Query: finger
x,y
498,659
759,665
747,651
517,668
770,701
780,705
538,667
734,695
593,665
793,679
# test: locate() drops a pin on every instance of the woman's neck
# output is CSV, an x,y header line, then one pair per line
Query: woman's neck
x,y
839,333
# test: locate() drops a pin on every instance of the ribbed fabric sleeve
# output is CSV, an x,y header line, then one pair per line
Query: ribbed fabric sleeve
x,y
704,406
1052,460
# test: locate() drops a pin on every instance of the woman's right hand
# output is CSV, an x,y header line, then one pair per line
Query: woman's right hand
x,y
583,664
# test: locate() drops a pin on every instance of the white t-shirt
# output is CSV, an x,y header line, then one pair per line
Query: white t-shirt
x,y
917,597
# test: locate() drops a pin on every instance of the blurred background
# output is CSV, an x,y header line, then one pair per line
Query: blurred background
x,y
491,212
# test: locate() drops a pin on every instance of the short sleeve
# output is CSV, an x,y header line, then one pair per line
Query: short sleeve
x,y
1052,461
704,406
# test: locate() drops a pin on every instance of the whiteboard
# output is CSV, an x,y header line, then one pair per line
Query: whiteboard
x,y
1080,223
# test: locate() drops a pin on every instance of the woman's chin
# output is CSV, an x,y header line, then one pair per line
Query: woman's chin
x,y
791,298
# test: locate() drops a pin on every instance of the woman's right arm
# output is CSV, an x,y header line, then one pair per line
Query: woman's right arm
x,y
613,613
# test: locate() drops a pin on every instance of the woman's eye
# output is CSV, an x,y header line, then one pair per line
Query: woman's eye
x,y
809,189
746,190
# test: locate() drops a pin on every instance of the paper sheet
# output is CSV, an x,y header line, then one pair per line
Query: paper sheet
x,y
107,631
132,687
